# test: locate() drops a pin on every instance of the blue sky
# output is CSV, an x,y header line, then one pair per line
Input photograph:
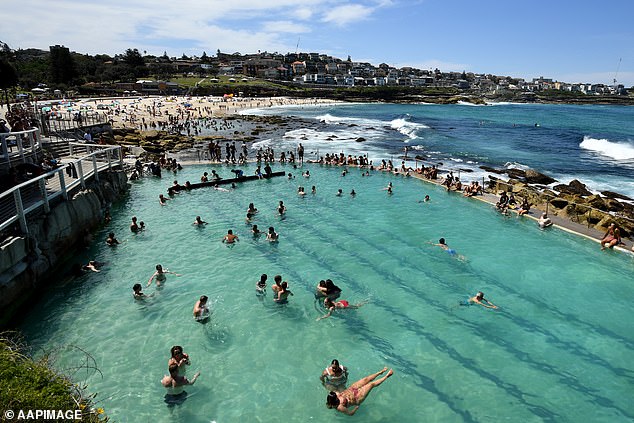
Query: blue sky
x,y
571,41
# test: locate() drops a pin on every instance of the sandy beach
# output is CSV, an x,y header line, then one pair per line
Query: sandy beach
x,y
141,112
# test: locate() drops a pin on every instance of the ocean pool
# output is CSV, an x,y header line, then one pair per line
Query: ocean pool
x,y
559,349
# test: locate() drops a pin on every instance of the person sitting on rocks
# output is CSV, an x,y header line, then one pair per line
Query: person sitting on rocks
x,y
524,208
612,237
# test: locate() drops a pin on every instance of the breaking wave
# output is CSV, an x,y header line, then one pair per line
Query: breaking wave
x,y
612,149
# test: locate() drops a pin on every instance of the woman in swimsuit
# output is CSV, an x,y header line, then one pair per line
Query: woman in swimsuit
x,y
334,377
611,238
356,393
159,275
332,305
251,209
260,286
178,358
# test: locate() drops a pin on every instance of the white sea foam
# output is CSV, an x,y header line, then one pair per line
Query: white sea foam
x,y
467,103
406,127
516,165
612,149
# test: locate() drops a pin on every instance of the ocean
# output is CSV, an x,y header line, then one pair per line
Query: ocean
x,y
591,143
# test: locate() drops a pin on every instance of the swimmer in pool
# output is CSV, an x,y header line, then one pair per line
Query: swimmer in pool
x,y
479,299
159,275
201,311
230,238
334,377
281,209
356,393
282,294
134,227
339,192
93,265
277,286
111,240
272,236
442,244
251,209
255,231
179,358
260,286
137,292
426,199
175,383
331,305
327,288
162,199
199,221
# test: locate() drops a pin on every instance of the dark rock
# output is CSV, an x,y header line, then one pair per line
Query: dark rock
x,y
611,194
614,205
597,202
516,173
360,139
574,188
580,189
492,170
535,177
558,203
465,170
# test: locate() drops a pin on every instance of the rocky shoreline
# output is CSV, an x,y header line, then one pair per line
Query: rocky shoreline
x,y
573,201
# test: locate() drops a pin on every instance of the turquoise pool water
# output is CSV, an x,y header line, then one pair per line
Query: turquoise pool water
x,y
559,349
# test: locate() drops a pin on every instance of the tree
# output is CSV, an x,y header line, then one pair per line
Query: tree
x,y
8,78
61,65
134,64
133,58
204,58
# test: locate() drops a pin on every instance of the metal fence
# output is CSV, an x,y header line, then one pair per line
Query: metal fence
x,y
69,122
21,146
38,193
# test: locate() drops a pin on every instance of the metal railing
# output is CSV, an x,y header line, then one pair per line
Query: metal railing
x,y
19,146
64,122
38,193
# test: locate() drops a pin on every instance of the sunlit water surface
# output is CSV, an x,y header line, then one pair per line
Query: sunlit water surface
x,y
559,349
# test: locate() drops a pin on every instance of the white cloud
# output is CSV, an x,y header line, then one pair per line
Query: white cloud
x,y
284,26
303,13
344,15
188,26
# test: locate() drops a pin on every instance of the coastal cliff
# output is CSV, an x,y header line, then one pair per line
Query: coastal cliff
x,y
26,261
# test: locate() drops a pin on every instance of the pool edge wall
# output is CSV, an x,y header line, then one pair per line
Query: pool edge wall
x,y
27,260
